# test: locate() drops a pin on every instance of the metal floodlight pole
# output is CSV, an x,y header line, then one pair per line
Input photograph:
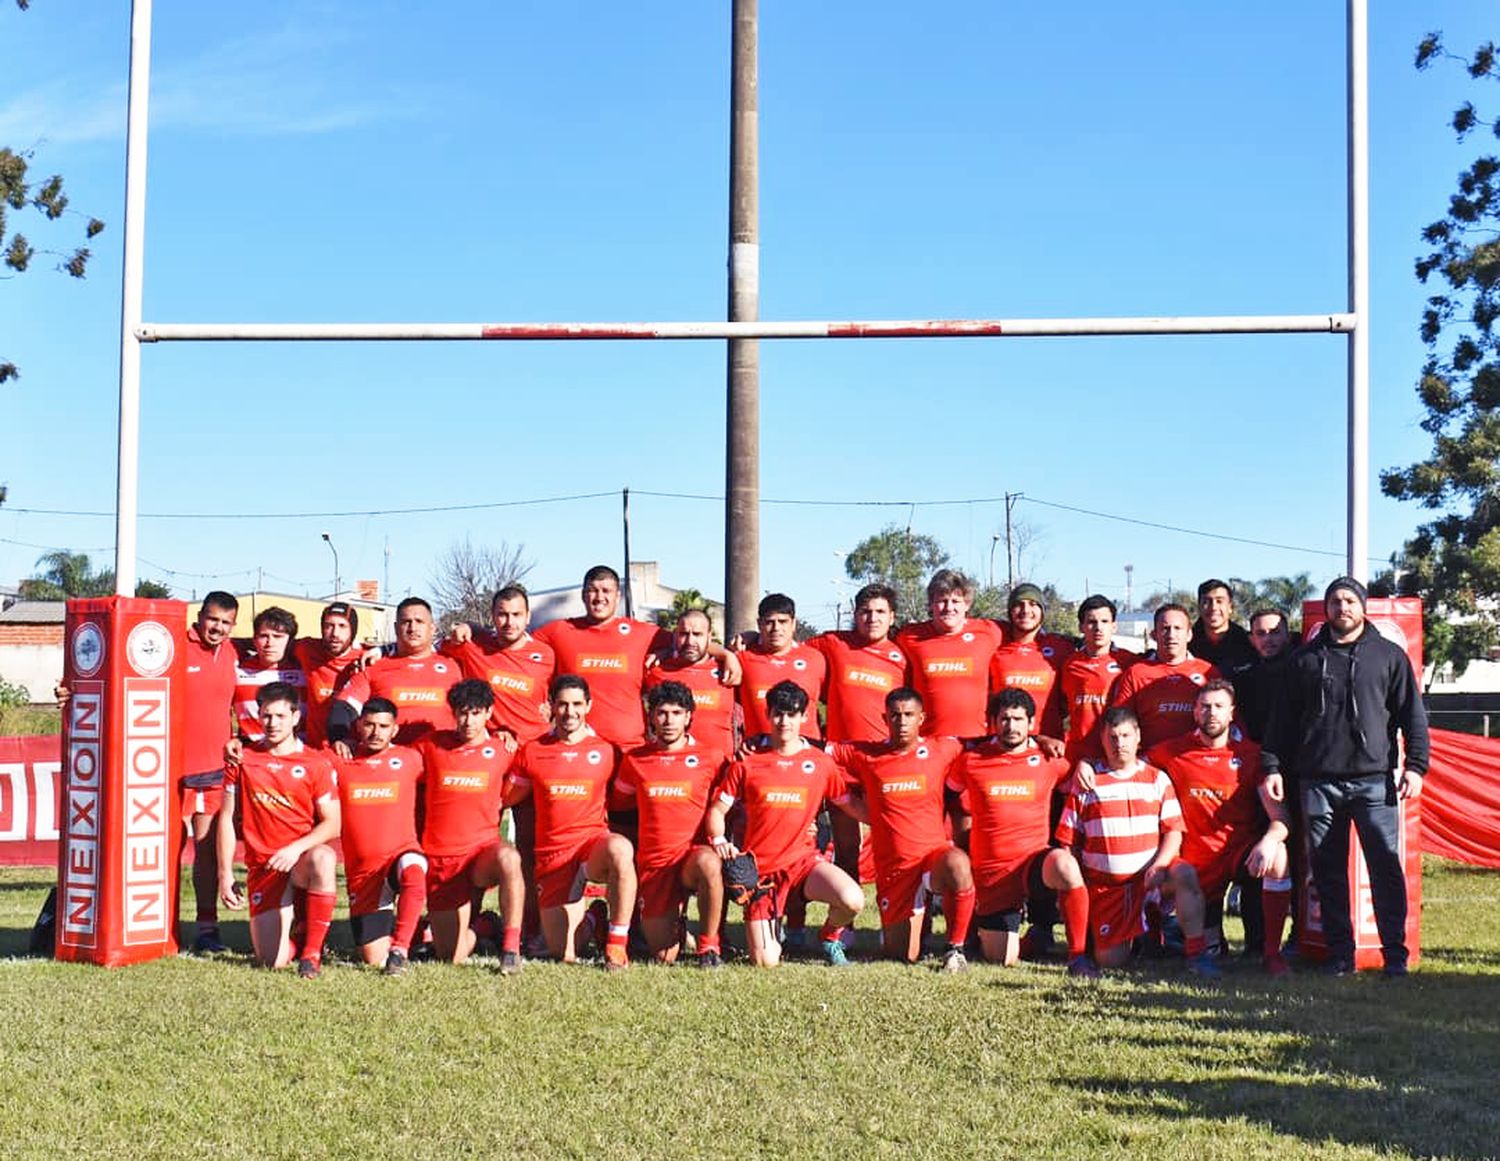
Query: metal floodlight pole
x,y
128,477
337,579
1358,548
742,409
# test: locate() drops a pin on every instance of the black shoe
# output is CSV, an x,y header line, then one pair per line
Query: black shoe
x,y
710,960
208,942
510,963
1394,969
1338,968
395,963
309,969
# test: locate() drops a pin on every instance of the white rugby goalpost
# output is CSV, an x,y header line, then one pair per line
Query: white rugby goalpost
x,y
1352,322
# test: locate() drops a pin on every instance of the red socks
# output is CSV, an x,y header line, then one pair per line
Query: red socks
x,y
319,920
958,906
1194,945
411,901
1275,906
707,943
510,938
1074,904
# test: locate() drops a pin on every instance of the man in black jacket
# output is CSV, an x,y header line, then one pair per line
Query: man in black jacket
x,y
1348,693
1219,639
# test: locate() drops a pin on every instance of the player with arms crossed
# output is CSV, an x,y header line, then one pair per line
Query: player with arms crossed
x,y
899,786
1235,830
466,778
567,773
783,789
1005,785
668,781
384,867
1123,821
289,809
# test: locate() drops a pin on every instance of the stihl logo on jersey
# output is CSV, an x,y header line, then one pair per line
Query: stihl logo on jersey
x,y
466,781
868,680
902,786
375,792
1026,680
667,790
784,798
946,667
567,790
1098,700
706,698
512,682
271,800
1174,707
1206,793
1021,791
419,697
609,663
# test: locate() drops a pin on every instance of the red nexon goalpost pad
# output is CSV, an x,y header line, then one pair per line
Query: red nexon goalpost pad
x,y
122,749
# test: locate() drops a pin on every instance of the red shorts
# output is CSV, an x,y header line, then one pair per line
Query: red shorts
x,y
560,880
450,879
903,893
373,889
1215,874
267,890
1117,911
201,800
772,905
998,889
661,891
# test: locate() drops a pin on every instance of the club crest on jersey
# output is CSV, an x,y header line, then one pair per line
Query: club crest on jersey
x,y
255,897
395,763
1112,667
595,757
896,657
299,771
967,637
809,766
1034,760
488,752
624,628
1234,763
922,751
1047,650
439,667
800,663
534,657
690,761
1196,678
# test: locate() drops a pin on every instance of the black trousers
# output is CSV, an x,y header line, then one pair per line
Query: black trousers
x,y
1369,802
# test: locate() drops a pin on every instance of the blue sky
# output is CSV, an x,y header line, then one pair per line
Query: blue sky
x,y
568,161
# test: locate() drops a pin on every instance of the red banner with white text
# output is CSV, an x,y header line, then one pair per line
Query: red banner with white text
x,y
28,800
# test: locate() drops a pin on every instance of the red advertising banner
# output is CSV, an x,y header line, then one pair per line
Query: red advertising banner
x,y
1398,619
1461,799
120,832
29,769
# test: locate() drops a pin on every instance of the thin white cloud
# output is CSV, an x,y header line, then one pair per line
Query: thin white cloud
x,y
278,83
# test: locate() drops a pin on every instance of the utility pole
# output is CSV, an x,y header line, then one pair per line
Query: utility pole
x,y
742,413
1010,551
625,517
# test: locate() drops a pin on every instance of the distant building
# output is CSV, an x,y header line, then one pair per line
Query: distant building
x,y
31,646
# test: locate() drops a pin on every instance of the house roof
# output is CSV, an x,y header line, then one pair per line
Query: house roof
x,y
35,613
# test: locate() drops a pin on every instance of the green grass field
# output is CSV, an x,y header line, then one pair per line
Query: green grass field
x,y
211,1058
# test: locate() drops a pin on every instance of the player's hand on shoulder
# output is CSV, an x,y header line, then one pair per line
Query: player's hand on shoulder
x,y
234,750
341,748
1275,786
731,672
1085,778
1050,747
508,740
461,633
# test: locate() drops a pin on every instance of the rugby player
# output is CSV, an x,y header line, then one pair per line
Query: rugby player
x,y
899,790
1089,676
1234,831
415,679
950,657
566,773
783,788
668,780
689,664
1160,690
289,812
384,867
774,657
1005,784
269,658
328,661
516,665
465,786
1030,659
1124,823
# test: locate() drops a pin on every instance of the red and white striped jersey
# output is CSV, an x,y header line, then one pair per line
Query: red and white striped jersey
x,y
1116,828
250,677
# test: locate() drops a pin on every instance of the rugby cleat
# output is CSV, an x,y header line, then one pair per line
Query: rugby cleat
x,y
510,963
208,942
395,963
615,959
833,952
710,959
1203,966
954,960
1080,967
309,968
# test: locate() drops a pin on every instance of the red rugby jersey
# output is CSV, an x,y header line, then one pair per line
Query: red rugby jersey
x,y
1162,696
713,702
517,674
1033,666
569,784
208,704
859,677
611,657
417,686
1009,798
251,675
951,671
278,796
1218,790
465,789
326,676
903,790
782,794
378,797
1086,685
800,664
670,791
1117,827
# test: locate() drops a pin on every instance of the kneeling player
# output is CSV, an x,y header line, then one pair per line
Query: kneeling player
x,y
900,792
668,781
1125,823
783,788
465,779
1005,784
1235,830
384,868
289,810
566,773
